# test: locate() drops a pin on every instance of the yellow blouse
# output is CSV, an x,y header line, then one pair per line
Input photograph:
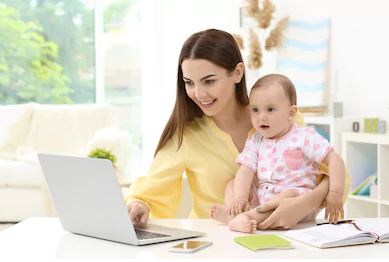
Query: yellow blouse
x,y
207,156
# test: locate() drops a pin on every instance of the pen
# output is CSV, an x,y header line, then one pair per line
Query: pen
x,y
346,221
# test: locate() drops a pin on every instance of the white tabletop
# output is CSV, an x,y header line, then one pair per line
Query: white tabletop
x,y
44,238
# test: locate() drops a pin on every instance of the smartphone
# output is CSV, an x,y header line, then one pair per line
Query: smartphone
x,y
190,246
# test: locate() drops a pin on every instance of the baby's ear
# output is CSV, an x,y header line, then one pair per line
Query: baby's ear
x,y
292,112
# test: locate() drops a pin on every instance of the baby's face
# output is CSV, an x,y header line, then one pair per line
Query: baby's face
x,y
270,111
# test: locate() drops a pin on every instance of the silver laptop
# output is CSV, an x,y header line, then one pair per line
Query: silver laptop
x,y
89,201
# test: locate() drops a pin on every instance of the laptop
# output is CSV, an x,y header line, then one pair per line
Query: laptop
x,y
89,201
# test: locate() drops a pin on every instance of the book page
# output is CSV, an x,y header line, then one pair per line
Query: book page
x,y
379,227
323,235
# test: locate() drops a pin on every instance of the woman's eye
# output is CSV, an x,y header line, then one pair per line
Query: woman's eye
x,y
209,81
187,83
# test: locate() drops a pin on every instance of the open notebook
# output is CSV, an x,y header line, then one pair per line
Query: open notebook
x,y
355,233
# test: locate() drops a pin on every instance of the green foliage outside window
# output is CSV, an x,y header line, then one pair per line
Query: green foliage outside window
x,y
68,25
29,69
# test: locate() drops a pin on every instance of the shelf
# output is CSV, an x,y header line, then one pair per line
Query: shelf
x,y
384,202
366,138
367,154
363,198
331,126
384,211
357,208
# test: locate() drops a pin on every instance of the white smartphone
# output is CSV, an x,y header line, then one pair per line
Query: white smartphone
x,y
190,246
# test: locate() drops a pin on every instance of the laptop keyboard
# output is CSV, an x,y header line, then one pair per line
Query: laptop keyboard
x,y
141,234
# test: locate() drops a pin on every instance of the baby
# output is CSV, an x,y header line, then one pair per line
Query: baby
x,y
284,157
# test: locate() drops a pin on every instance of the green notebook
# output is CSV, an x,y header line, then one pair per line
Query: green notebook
x,y
257,242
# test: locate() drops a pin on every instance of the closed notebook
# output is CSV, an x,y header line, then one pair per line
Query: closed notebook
x,y
257,242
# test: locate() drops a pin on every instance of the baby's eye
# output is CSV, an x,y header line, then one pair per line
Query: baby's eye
x,y
271,109
254,109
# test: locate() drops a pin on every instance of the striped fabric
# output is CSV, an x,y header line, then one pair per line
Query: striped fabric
x,y
304,59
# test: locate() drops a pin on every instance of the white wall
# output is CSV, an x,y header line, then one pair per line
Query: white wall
x,y
359,51
167,24
361,55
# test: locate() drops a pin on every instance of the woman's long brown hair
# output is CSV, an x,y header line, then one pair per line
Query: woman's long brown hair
x,y
218,47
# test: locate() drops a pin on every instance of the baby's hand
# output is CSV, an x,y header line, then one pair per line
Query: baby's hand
x,y
334,207
240,205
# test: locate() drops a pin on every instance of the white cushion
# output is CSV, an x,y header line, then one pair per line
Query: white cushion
x,y
92,118
14,123
20,173
66,129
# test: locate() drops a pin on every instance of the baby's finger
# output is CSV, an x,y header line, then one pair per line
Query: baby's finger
x,y
341,213
240,208
232,211
329,216
332,215
326,213
336,216
247,208
236,211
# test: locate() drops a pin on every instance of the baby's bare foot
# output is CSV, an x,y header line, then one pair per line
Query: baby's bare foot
x,y
243,223
220,213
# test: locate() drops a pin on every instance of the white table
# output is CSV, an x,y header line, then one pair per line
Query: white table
x,y
44,238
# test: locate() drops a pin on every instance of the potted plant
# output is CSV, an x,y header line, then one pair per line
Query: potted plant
x,y
103,153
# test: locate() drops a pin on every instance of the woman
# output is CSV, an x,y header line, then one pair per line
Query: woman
x,y
206,131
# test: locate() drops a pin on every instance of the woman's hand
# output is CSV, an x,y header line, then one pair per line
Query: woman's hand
x,y
138,212
286,213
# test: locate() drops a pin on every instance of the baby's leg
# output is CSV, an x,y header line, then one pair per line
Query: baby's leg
x,y
243,223
247,222
221,213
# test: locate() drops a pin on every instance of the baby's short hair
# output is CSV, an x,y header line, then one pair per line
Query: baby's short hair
x,y
283,81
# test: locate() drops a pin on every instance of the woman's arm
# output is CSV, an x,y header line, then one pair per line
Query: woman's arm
x,y
289,211
336,172
334,199
159,192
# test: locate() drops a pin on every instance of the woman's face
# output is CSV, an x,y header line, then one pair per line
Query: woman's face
x,y
211,87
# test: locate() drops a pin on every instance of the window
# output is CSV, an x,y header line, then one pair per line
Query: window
x,y
47,51
120,53
51,50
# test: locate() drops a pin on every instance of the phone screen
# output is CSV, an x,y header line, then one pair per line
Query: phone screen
x,y
190,244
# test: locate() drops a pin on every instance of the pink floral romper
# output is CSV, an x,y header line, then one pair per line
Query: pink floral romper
x,y
289,162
